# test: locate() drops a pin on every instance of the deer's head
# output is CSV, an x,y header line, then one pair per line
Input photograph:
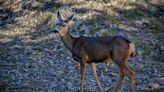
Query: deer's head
x,y
62,24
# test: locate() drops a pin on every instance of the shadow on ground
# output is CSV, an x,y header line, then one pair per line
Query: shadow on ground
x,y
37,61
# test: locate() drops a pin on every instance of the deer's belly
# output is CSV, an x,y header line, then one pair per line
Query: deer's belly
x,y
108,60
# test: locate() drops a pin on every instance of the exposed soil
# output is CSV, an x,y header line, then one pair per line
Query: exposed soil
x,y
33,58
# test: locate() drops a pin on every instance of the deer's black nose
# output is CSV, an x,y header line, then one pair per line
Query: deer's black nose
x,y
55,30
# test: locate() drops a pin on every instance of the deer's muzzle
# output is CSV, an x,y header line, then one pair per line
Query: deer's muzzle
x,y
55,30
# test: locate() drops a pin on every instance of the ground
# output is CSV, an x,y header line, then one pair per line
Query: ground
x,y
33,58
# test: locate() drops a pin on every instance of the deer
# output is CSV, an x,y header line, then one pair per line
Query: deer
x,y
92,50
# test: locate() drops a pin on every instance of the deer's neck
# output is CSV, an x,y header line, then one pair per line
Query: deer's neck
x,y
67,39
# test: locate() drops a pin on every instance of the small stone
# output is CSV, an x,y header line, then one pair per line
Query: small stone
x,y
154,85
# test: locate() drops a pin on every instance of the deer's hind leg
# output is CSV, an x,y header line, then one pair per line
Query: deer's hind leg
x,y
130,74
125,70
119,84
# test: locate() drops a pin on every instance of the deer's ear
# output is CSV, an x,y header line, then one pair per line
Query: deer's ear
x,y
59,16
70,18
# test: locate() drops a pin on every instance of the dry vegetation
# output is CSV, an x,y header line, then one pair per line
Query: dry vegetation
x,y
32,58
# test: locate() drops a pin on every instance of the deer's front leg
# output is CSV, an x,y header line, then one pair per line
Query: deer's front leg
x,y
93,65
82,72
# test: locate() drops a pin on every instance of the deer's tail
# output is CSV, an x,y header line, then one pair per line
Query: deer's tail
x,y
132,49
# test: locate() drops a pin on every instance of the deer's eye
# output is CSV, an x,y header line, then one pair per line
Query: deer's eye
x,y
63,25
66,21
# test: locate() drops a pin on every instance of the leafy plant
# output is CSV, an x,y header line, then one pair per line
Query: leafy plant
x,y
146,50
157,26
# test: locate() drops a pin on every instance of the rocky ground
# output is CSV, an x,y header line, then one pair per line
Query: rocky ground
x,y
33,59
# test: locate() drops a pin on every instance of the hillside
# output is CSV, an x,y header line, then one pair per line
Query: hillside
x,y
33,58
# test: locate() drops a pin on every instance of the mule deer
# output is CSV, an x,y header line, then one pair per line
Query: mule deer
x,y
91,50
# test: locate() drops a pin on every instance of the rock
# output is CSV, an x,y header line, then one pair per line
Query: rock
x,y
160,81
153,85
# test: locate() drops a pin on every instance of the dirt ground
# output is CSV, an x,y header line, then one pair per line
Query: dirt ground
x,y
33,58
